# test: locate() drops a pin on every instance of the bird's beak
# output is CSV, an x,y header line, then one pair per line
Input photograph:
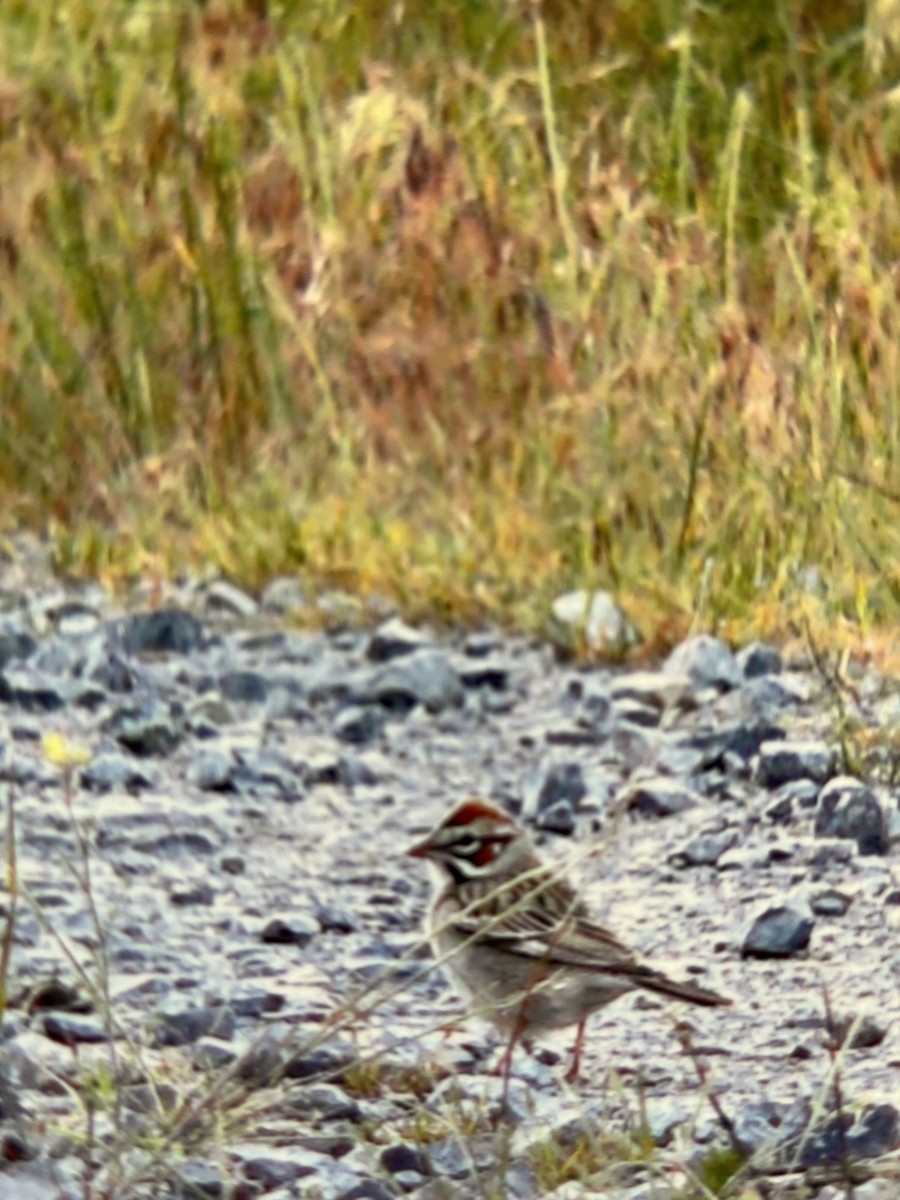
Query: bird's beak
x,y
420,849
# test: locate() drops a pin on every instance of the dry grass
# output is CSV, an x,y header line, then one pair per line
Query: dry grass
x,y
463,305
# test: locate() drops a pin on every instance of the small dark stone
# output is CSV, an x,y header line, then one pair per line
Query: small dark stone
x,y
658,797
798,794
876,1133
55,993
166,631
325,1100
256,1002
233,864
424,677
332,919
191,895
403,1157
145,729
198,1178
706,661
368,1189
31,690
552,796
704,850
359,723
864,1032
777,932
745,738
114,674
116,772
244,687
15,646
212,771
394,639
848,809
225,599
492,673
829,902
296,930
276,1166
759,658
184,1026
70,1029
328,1060
785,761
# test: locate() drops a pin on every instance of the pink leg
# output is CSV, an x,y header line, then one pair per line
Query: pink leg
x,y
572,1075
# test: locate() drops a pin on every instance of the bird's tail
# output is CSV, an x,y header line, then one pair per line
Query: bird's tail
x,y
656,981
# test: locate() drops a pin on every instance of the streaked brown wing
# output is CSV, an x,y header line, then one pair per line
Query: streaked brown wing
x,y
545,920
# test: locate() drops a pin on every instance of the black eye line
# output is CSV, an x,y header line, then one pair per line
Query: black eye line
x,y
479,843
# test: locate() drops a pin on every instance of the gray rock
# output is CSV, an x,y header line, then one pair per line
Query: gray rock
x,y
110,671
284,594
830,902
324,1100
31,690
244,687
876,1132
223,598
759,658
146,728
332,919
212,771
233,864
178,1025
70,1029
424,677
117,772
785,761
262,771
491,674
706,661
658,796
849,809
194,1177
394,639
15,646
359,723
365,1189
401,1157
326,1062
797,795
166,631
552,796
297,929
655,689
210,1054
595,617
862,1030
42,1179
778,931
192,894
273,1166
704,850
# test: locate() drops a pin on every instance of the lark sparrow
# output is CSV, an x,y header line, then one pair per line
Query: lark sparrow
x,y
518,939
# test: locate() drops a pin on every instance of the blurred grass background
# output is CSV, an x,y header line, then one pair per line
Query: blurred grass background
x,y
462,304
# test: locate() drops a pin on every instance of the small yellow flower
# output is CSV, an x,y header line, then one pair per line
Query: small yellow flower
x,y
64,753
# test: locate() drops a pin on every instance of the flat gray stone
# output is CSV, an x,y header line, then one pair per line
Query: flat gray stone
x,y
784,761
849,809
706,661
778,931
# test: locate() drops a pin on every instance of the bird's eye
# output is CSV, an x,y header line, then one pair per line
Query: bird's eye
x,y
466,844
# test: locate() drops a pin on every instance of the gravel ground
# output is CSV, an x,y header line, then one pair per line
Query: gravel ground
x,y
217,986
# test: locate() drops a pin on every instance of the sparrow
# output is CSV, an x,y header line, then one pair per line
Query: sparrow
x,y
518,939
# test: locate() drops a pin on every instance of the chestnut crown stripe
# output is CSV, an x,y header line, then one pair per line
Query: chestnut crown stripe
x,y
474,810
